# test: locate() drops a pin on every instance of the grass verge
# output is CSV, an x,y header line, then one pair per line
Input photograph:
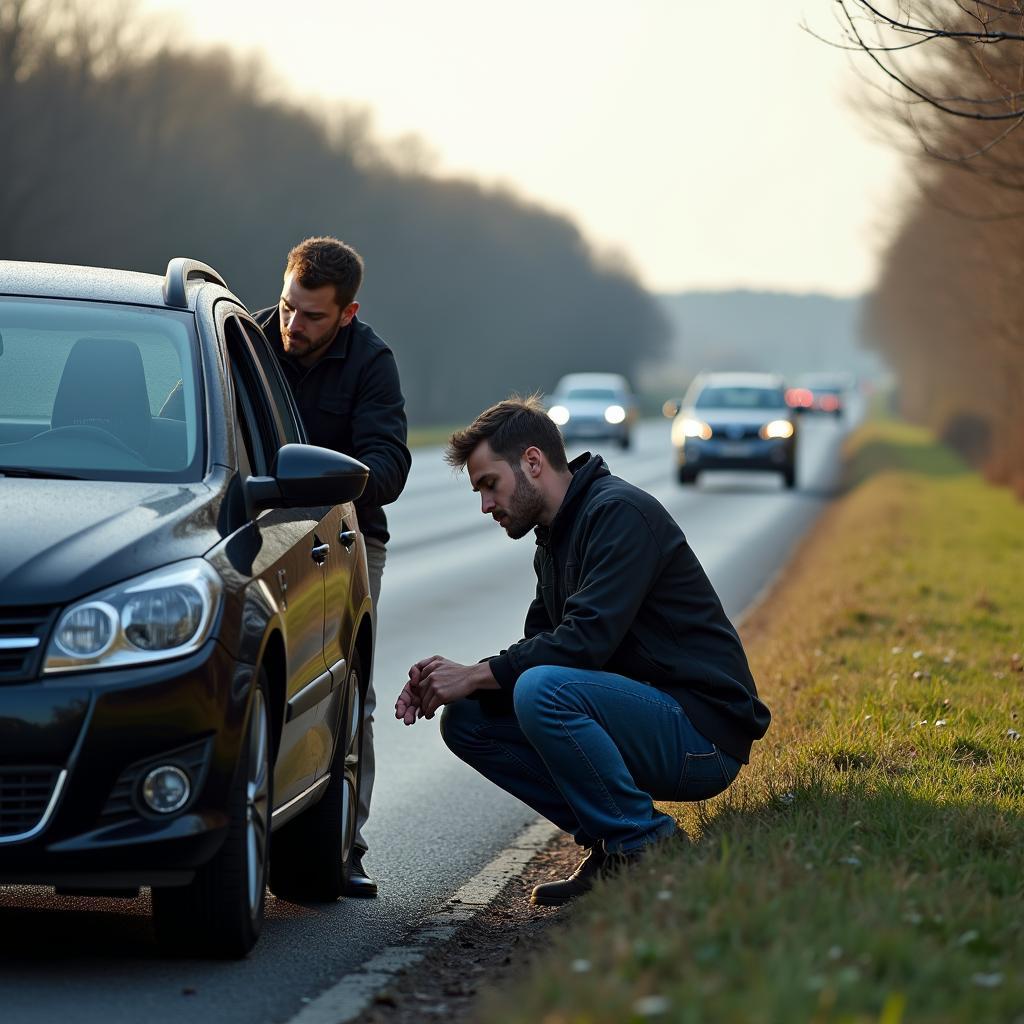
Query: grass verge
x,y
868,865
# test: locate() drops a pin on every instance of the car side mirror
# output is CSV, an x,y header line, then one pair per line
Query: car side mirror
x,y
671,408
304,475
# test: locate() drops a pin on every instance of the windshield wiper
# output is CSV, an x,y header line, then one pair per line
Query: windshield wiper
x,y
37,474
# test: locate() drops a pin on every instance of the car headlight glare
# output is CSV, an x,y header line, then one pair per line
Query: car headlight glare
x,y
161,619
776,429
559,415
688,427
161,614
614,414
87,631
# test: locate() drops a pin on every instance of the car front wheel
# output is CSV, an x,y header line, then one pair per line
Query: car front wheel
x,y
220,913
313,854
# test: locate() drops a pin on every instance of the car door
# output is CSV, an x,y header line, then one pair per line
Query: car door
x,y
339,538
290,563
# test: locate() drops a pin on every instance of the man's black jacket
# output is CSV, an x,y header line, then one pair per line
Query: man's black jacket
x,y
619,590
351,402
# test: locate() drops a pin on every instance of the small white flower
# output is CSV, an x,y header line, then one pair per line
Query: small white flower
x,y
918,654
939,722
580,966
835,952
788,798
993,980
967,938
897,650
1013,734
664,894
652,1006
867,718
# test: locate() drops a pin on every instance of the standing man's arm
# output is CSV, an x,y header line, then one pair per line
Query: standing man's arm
x,y
379,430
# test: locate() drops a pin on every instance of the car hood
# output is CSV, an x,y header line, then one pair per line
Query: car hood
x,y
746,417
63,539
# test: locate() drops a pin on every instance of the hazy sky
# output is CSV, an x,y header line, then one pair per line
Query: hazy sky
x,y
715,144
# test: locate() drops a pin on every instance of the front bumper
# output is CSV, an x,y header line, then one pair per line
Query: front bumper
x,y
776,454
105,730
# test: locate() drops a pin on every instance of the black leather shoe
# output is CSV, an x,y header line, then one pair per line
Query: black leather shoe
x,y
553,894
359,882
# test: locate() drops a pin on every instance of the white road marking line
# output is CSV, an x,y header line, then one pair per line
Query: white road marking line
x,y
347,998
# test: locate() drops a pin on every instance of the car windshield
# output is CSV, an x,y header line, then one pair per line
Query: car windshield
x,y
740,398
595,394
99,391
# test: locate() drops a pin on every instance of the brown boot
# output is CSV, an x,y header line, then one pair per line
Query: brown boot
x,y
553,894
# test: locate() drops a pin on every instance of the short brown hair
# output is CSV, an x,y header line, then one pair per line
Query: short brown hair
x,y
319,261
510,427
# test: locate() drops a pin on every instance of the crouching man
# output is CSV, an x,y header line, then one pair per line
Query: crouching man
x,y
630,684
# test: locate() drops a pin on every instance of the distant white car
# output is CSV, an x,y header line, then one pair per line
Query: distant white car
x,y
735,421
594,405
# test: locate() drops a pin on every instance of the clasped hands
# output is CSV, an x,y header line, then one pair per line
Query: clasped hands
x,y
436,681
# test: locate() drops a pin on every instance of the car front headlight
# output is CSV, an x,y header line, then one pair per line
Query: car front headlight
x,y
776,429
559,414
159,615
614,414
687,427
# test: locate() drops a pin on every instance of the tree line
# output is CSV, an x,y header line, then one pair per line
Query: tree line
x,y
948,310
124,152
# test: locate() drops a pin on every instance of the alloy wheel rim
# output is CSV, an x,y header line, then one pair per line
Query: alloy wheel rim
x,y
257,803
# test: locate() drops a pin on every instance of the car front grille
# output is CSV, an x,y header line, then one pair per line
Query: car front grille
x,y
25,794
734,432
23,633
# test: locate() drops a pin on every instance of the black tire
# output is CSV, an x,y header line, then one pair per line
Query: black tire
x,y
789,477
687,476
313,854
625,442
220,913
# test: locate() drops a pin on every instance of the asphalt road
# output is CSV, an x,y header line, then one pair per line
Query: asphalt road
x,y
454,585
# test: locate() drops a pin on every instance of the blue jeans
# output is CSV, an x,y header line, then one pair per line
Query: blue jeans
x,y
591,752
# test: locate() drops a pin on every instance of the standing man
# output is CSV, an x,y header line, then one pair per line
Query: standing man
x,y
630,684
345,383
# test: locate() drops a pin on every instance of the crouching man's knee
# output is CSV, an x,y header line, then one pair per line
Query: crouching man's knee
x,y
458,721
536,690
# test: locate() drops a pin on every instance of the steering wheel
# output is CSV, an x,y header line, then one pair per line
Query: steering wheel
x,y
86,432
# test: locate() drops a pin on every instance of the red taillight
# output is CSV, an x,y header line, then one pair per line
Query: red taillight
x,y
799,398
829,403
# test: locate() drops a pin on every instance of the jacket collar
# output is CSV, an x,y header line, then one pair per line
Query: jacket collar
x,y
585,469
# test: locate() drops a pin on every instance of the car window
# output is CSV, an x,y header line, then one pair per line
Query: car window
x,y
740,398
256,419
86,389
291,423
597,394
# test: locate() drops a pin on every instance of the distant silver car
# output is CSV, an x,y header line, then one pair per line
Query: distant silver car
x,y
594,405
735,421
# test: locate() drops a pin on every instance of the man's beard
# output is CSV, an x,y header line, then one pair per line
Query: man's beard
x,y
525,507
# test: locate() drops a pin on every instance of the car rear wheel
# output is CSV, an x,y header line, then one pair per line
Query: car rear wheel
x,y
687,475
220,913
625,441
789,477
313,854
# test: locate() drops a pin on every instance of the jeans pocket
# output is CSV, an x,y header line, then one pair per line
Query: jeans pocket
x,y
703,776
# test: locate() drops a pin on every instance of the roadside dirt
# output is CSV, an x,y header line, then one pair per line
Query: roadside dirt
x,y
496,945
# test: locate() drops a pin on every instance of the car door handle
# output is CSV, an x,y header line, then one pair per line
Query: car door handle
x,y
319,553
347,536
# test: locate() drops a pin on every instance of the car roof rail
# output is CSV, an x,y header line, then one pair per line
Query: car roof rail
x,y
180,271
